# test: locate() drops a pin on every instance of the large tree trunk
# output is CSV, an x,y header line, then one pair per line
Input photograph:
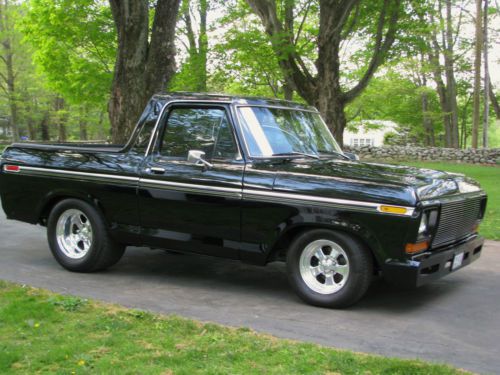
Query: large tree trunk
x,y
145,61
329,96
476,118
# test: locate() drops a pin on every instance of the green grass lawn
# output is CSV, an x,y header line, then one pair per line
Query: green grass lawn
x,y
489,178
42,332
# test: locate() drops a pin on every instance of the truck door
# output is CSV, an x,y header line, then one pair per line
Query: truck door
x,y
189,205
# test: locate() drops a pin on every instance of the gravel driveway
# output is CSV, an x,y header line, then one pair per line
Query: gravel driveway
x,y
455,320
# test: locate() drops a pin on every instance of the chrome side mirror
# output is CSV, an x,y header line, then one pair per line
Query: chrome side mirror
x,y
196,157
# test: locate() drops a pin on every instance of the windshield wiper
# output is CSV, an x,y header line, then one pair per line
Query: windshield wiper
x,y
335,153
296,153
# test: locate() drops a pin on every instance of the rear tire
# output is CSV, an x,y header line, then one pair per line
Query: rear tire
x,y
78,237
329,269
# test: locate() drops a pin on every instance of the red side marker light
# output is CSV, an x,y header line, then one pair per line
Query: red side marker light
x,y
11,168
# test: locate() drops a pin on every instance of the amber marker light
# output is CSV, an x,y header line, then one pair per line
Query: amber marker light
x,y
393,210
413,248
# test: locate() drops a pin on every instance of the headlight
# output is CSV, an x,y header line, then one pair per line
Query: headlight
x,y
422,228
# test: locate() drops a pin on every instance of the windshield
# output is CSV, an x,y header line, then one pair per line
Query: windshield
x,y
275,131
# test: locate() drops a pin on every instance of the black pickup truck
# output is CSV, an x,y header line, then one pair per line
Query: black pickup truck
x,y
253,179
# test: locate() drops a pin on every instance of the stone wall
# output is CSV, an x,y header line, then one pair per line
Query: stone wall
x,y
396,153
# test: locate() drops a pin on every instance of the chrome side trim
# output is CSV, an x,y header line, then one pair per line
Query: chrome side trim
x,y
192,188
238,193
278,197
66,173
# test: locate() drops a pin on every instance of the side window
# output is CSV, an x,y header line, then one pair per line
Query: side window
x,y
203,129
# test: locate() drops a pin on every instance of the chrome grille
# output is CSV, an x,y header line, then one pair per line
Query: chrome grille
x,y
457,220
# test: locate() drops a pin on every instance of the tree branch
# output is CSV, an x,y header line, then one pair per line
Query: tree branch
x,y
381,48
283,46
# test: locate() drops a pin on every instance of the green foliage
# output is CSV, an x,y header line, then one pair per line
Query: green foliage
x,y
393,97
40,337
75,46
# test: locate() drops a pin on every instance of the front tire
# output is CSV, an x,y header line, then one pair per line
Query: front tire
x,y
329,269
78,237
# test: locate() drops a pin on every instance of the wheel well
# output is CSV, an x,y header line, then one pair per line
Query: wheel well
x,y
52,202
280,248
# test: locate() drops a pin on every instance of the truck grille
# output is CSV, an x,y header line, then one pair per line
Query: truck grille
x,y
457,220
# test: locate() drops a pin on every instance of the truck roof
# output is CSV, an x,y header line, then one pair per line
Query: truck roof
x,y
227,98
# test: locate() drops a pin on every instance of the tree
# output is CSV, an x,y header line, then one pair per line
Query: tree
x,y
9,78
193,74
74,43
407,102
486,116
243,58
477,75
336,22
441,41
145,60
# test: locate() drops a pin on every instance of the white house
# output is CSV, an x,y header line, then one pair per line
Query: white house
x,y
368,133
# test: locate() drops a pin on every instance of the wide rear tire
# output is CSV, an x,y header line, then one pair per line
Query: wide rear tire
x,y
328,268
78,237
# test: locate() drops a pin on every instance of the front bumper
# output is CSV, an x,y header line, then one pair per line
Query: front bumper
x,y
430,266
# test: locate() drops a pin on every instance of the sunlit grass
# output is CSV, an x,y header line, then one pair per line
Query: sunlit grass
x,y
41,332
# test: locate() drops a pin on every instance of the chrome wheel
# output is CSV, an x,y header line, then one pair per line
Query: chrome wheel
x,y
74,233
324,266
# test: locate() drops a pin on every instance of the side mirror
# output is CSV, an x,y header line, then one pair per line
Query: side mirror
x,y
351,156
197,157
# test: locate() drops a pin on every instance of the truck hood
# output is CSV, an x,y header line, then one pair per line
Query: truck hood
x,y
398,183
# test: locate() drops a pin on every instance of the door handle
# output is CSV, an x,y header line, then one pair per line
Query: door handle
x,y
157,170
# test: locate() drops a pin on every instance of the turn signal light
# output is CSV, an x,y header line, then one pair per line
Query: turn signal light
x,y
413,248
393,209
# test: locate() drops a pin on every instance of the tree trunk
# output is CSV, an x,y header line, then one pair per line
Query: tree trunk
x,y
451,85
329,98
486,116
100,127
82,122
62,117
44,127
442,93
144,63
333,113
427,121
198,47
476,118
31,129
10,77
494,100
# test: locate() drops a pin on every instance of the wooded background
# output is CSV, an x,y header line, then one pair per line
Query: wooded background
x,y
84,69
